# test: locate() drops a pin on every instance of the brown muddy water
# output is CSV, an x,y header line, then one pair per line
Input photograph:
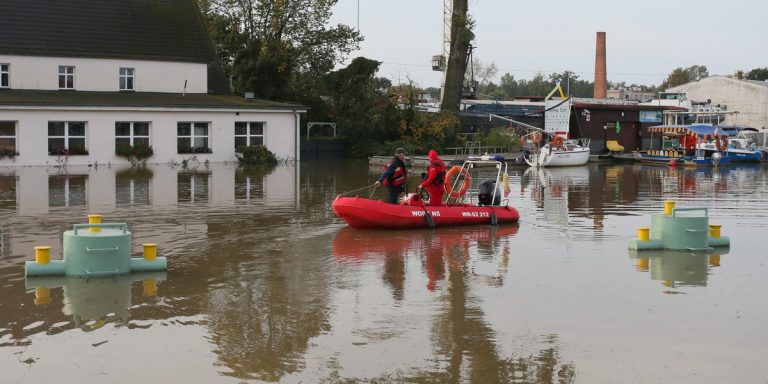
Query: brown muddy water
x,y
265,284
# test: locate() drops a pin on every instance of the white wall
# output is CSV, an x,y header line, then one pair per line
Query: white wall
x,y
751,100
32,133
42,73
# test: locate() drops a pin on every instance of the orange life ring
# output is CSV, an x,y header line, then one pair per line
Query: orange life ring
x,y
536,137
456,170
557,141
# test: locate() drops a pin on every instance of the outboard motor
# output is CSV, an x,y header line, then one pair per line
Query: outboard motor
x,y
485,193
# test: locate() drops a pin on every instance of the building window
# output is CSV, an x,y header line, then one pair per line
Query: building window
x,y
247,134
66,77
66,138
5,75
7,138
129,133
126,79
192,137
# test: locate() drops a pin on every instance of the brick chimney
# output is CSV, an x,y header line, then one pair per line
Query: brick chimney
x,y
601,76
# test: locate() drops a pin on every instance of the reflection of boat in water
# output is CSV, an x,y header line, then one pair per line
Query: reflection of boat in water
x,y
479,248
94,302
678,268
464,206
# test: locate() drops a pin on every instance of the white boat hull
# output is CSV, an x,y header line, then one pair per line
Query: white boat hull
x,y
558,158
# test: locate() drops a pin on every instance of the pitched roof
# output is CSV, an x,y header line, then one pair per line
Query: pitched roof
x,y
38,98
171,30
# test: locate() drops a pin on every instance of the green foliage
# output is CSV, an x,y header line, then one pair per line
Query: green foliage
x,y
509,87
255,154
760,74
277,49
185,150
138,152
358,103
680,76
9,153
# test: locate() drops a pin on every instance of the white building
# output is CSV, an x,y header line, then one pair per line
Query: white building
x,y
749,98
78,78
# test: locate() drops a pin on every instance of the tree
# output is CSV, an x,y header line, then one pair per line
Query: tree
x,y
760,74
288,39
681,76
461,36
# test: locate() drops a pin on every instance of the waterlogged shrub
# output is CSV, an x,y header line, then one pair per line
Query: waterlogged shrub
x,y
255,154
138,152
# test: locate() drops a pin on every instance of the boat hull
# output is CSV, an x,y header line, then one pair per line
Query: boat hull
x,y
558,158
366,213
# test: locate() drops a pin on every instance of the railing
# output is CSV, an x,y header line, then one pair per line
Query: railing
x,y
474,148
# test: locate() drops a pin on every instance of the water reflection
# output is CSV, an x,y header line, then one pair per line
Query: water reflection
x,y
440,251
92,303
678,268
456,262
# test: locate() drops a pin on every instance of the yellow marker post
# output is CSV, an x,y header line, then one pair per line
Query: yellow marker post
x,y
94,219
150,251
43,254
644,233
714,230
714,260
669,205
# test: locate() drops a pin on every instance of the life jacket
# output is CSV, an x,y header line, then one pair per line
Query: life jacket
x,y
396,179
440,177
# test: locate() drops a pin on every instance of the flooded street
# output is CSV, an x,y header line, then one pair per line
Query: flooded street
x,y
265,284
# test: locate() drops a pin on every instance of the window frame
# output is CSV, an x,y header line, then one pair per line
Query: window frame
x,y
15,136
132,134
64,74
125,78
192,136
5,74
249,136
67,136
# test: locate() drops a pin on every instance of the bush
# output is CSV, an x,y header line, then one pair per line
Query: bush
x,y
194,150
255,154
9,153
67,152
138,152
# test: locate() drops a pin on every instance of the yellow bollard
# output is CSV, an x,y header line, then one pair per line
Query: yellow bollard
x,y
669,205
42,296
150,251
643,233
642,264
42,254
714,230
714,260
94,219
150,288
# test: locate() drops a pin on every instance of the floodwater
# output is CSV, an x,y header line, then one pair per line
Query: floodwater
x,y
265,284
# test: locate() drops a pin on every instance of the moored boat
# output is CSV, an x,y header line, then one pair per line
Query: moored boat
x,y
681,145
463,206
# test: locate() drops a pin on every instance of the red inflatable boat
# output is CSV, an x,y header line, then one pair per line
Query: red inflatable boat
x,y
360,212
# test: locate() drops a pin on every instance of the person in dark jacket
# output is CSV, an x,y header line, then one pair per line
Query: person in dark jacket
x,y
395,176
435,181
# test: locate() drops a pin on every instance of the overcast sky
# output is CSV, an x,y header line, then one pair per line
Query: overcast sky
x,y
645,40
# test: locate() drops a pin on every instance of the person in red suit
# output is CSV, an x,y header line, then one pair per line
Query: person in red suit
x,y
435,181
